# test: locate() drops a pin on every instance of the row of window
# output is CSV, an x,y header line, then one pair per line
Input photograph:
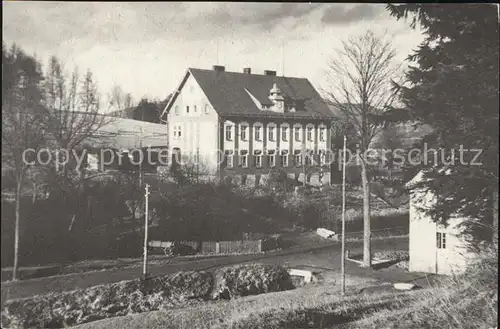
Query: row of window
x,y
194,109
271,132
284,159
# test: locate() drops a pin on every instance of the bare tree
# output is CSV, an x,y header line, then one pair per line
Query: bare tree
x,y
74,107
119,100
359,77
74,120
22,123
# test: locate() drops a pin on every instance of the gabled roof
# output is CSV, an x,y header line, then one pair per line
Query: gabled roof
x,y
228,93
120,133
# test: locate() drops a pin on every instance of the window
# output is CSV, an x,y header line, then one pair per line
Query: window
x,y
271,133
284,133
195,109
272,158
229,159
177,132
258,158
187,108
309,134
297,134
244,159
257,132
322,134
176,109
207,108
229,133
441,240
243,133
322,157
309,157
284,158
298,158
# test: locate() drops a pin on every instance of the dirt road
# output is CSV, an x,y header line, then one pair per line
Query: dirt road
x,y
324,257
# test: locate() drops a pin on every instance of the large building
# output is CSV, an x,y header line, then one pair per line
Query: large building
x,y
241,125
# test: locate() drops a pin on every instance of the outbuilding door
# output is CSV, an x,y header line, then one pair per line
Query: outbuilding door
x,y
442,254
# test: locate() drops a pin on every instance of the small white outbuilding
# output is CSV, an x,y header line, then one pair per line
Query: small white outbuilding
x,y
434,248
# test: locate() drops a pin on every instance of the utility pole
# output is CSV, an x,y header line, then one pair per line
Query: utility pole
x,y
197,153
304,162
146,224
141,158
343,219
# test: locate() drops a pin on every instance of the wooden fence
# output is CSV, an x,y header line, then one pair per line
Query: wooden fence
x,y
225,247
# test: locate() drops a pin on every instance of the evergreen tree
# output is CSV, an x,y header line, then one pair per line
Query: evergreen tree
x,y
453,87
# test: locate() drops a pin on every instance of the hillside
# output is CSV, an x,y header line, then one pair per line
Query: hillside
x,y
466,301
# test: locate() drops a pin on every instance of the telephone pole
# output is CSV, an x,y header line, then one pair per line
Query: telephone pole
x,y
146,224
343,219
304,162
141,158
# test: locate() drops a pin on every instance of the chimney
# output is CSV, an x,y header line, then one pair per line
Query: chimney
x,y
218,68
247,70
267,72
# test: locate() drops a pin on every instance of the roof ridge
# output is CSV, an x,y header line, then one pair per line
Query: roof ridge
x,y
248,74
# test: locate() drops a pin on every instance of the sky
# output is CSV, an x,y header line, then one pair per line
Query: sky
x,y
146,47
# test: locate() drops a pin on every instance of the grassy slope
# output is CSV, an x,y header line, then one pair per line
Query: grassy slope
x,y
224,313
469,301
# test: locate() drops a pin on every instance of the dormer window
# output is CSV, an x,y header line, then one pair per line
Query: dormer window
x,y
277,98
290,107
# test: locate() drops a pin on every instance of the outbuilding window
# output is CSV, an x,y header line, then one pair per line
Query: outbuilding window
x,y
441,240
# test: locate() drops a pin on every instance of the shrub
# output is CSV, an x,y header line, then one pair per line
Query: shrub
x,y
252,279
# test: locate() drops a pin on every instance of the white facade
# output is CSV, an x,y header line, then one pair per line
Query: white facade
x,y
239,144
434,248
194,117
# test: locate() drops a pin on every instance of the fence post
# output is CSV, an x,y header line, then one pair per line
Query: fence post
x,y
217,247
260,245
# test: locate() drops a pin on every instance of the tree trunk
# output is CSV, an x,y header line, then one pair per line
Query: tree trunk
x,y
367,260
495,216
16,232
